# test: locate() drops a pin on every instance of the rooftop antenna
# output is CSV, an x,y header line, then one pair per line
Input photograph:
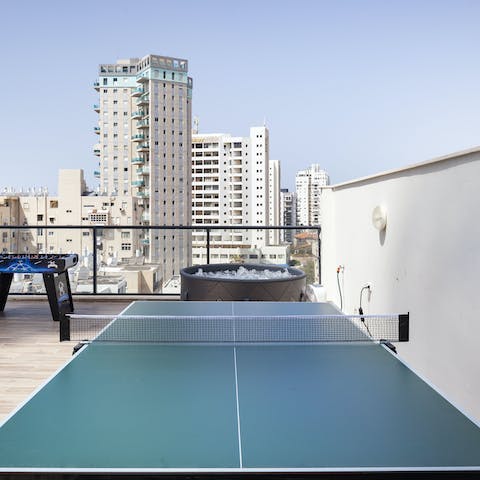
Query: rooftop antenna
x,y
196,122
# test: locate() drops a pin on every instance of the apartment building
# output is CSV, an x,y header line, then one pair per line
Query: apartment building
x,y
38,213
9,214
231,187
288,214
308,184
144,148
119,255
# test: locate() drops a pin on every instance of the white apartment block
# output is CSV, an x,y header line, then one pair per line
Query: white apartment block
x,y
274,200
288,214
308,184
144,145
230,187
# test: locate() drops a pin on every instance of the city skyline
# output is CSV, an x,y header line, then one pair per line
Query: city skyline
x,y
357,87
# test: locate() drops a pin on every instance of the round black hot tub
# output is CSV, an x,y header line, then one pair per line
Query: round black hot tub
x,y
204,286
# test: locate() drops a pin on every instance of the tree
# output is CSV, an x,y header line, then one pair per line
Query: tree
x,y
309,268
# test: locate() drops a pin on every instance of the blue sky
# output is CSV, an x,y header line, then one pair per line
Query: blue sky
x,y
356,86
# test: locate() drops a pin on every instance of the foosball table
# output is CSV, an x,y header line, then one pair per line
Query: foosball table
x,y
53,267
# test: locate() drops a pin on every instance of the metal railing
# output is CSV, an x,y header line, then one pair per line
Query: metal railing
x,y
94,244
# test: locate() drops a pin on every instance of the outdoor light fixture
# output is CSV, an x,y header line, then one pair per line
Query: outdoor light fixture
x,y
379,217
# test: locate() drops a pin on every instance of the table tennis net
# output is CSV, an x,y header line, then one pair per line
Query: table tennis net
x,y
237,329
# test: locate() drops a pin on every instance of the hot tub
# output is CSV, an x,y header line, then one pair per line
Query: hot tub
x,y
284,289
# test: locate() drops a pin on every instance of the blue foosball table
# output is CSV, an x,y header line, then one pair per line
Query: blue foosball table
x,y
53,267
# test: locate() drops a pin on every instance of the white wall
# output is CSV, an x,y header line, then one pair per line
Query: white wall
x,y
427,262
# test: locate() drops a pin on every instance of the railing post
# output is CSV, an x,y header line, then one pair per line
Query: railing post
x,y
94,260
208,246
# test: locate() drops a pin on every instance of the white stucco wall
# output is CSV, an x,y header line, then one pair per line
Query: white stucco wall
x,y
427,262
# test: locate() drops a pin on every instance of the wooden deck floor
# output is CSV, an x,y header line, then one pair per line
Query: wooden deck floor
x,y
30,351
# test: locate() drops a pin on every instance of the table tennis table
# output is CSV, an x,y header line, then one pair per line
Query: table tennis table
x,y
225,410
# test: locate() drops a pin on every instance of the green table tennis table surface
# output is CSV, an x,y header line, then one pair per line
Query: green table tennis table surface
x,y
224,409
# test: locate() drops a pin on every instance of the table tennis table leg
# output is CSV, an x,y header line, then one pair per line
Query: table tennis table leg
x,y
5,282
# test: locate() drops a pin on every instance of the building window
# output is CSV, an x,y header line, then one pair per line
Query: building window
x,y
126,246
98,218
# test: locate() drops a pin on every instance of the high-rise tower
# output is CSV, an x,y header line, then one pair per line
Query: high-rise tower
x,y
288,213
308,185
231,188
145,148
230,185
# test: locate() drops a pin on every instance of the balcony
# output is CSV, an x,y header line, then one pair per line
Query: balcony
x,y
138,114
96,130
143,124
144,147
138,183
139,137
143,171
138,161
143,79
96,151
144,100
96,86
96,107
138,91
96,174
145,193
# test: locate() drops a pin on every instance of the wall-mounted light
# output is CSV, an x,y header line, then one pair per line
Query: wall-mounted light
x,y
379,217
